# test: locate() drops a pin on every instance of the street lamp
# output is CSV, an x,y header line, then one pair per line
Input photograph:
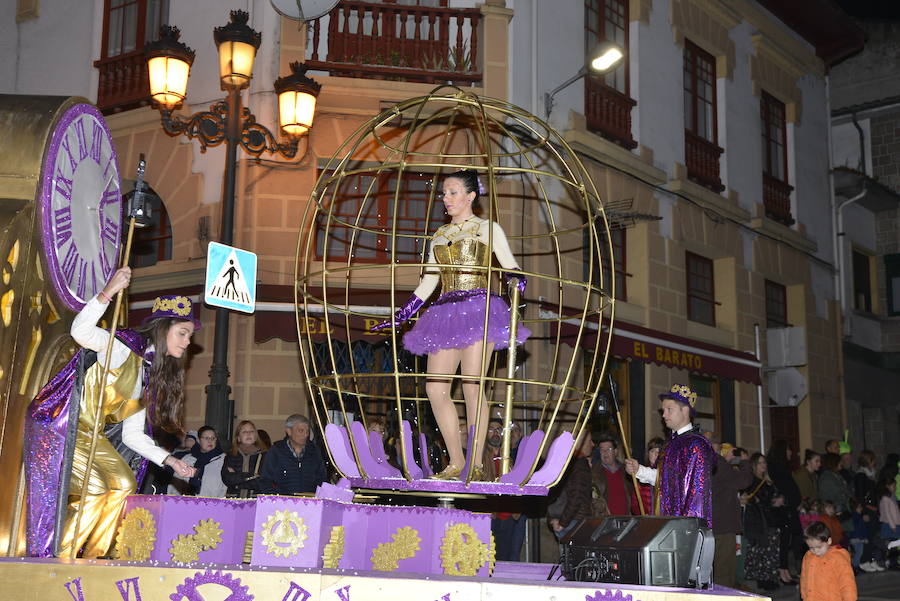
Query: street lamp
x,y
169,63
604,58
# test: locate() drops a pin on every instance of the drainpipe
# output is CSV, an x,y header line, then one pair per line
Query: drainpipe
x,y
837,230
862,143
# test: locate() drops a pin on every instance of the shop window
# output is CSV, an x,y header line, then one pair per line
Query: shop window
x,y
701,303
708,399
892,275
604,420
362,208
701,150
862,282
776,305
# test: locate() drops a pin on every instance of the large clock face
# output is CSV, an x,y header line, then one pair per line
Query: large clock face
x,y
81,205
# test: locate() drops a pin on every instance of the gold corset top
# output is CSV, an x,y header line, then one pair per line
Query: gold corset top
x,y
469,251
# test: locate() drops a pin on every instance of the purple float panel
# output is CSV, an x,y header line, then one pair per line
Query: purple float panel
x,y
376,445
408,539
445,527
339,446
423,455
449,486
293,531
555,462
412,468
470,440
178,519
366,460
340,492
528,450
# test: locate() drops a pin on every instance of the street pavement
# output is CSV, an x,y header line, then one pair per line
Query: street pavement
x,y
876,586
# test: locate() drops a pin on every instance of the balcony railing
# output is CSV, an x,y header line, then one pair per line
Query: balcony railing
x,y
397,42
702,158
608,112
777,200
123,82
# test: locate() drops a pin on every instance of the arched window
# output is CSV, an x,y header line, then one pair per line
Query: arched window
x,y
152,244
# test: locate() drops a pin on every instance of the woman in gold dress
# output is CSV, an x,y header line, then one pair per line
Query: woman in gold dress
x,y
451,331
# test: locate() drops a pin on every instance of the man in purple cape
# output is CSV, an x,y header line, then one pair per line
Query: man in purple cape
x,y
682,483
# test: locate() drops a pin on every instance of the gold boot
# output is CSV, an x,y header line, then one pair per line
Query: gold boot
x,y
451,472
478,474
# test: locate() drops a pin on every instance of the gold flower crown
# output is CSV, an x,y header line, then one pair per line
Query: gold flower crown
x,y
684,394
179,305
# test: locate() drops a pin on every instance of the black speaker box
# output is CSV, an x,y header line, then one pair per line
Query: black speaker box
x,y
648,550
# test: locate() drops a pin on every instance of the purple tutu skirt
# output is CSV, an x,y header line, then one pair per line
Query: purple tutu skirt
x,y
456,320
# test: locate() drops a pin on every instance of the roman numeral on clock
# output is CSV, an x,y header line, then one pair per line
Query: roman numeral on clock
x,y
82,140
67,147
110,231
96,141
62,184
70,262
62,220
110,195
82,278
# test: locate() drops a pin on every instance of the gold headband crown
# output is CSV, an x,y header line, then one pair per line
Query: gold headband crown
x,y
684,394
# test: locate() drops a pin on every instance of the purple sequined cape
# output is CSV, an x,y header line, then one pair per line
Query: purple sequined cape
x,y
686,465
50,430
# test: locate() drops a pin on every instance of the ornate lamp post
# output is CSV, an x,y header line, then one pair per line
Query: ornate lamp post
x,y
169,62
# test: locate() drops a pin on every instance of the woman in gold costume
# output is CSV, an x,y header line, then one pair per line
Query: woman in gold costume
x,y
451,331
145,385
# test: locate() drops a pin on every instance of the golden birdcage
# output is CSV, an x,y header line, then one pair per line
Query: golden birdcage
x,y
366,232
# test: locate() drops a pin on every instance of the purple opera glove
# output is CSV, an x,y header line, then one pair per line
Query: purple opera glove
x,y
411,307
523,281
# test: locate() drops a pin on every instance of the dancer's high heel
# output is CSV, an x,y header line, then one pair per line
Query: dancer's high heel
x,y
451,472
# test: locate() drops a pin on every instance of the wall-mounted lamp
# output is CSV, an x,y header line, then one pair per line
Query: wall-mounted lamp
x,y
603,59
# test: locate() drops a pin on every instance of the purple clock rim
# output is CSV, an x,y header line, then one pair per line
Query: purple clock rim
x,y
69,114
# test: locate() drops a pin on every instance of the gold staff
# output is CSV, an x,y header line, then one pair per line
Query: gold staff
x,y
615,400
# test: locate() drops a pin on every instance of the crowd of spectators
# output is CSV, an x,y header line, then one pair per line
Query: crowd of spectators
x,y
772,515
251,466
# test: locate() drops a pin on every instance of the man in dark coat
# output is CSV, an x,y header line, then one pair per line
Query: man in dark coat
x,y
731,474
293,464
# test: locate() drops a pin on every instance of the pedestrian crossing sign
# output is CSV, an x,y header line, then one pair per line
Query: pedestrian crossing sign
x,y
230,278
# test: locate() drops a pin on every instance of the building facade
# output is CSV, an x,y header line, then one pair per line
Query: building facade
x,y
865,103
710,143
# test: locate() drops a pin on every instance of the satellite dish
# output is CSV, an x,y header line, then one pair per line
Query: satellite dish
x,y
303,10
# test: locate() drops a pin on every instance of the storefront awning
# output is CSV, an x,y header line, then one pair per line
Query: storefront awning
x,y
651,346
277,318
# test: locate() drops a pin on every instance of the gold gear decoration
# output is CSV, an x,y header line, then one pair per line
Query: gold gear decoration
x,y
185,549
136,535
208,534
284,533
492,555
334,549
386,556
462,552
